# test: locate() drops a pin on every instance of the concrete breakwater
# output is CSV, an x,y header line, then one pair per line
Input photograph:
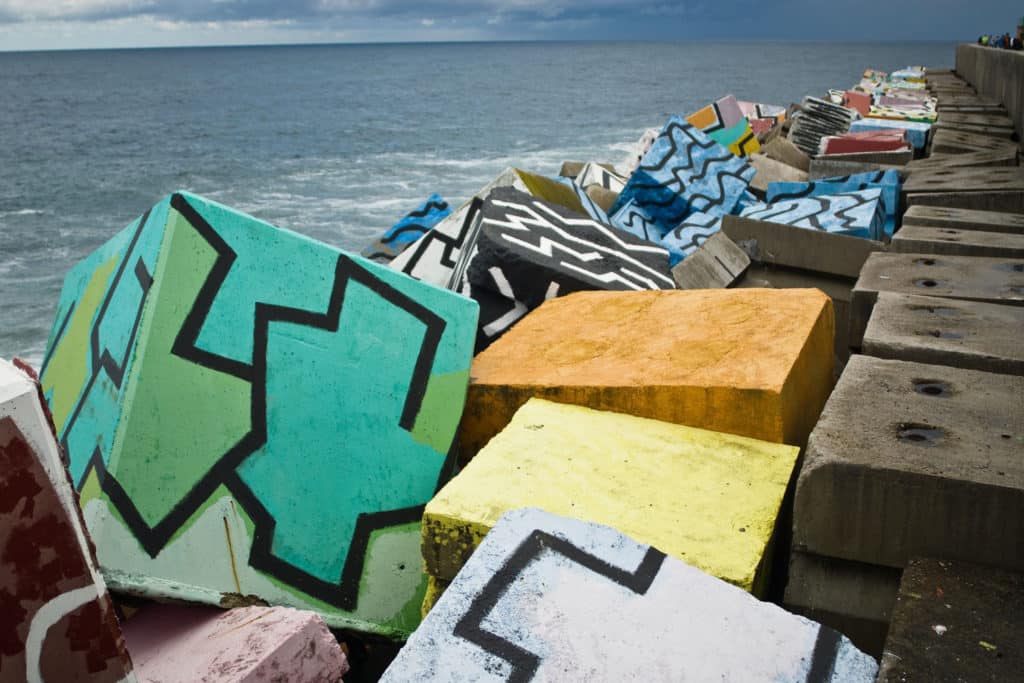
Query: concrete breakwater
x,y
691,414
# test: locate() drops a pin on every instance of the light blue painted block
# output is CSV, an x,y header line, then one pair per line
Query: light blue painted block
x,y
886,181
690,234
634,220
683,172
859,214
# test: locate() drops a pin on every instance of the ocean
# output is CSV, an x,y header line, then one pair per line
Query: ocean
x,y
338,142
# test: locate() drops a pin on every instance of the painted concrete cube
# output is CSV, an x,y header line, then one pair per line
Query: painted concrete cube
x,y
917,131
752,362
413,226
57,622
672,486
695,229
249,411
685,171
548,598
859,214
186,644
632,219
886,181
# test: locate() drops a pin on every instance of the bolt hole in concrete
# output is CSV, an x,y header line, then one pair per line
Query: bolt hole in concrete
x,y
1006,436
925,261
926,283
950,232
950,239
919,434
941,334
931,387
944,311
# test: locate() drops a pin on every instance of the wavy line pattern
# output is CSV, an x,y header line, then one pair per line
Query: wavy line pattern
x,y
860,214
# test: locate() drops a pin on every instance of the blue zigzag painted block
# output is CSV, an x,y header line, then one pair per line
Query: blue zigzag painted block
x,y
634,220
690,234
406,231
886,181
683,172
859,214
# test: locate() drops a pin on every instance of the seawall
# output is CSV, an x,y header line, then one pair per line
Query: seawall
x,y
995,73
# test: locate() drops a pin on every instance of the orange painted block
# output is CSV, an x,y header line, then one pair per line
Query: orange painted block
x,y
752,362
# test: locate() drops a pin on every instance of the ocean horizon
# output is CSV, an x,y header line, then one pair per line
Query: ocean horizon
x,y
339,141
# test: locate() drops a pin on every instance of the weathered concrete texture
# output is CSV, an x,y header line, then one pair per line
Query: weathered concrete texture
x,y
963,334
178,644
946,141
955,621
997,74
782,149
920,239
435,589
994,121
987,189
911,459
706,497
964,219
718,262
853,598
553,599
1003,157
201,366
973,278
768,170
57,622
752,362
830,167
794,247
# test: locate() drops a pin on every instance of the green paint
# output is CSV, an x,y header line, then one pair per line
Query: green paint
x,y
441,410
90,489
178,418
393,584
69,364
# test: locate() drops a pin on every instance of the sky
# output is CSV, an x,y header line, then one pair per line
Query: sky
x,y
76,24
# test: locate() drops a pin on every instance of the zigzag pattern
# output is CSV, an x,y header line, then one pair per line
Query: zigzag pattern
x,y
685,171
635,221
856,213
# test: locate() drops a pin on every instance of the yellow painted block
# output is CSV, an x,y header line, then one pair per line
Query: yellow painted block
x,y
435,588
551,190
753,362
705,497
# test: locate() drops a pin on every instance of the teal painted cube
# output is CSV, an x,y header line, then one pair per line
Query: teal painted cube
x,y
249,413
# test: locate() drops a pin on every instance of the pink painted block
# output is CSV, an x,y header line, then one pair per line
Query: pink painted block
x,y
173,643
861,101
57,622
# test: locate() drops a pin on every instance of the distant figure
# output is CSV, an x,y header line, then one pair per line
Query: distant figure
x,y
984,40
1006,41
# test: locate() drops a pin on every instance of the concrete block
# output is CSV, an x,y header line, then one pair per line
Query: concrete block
x,y
768,170
817,119
630,218
854,598
573,169
963,334
685,171
607,464
435,589
542,251
955,621
936,162
964,219
440,257
986,189
909,460
890,155
994,121
836,165
593,174
886,181
717,263
413,226
720,115
201,366
739,139
687,237
499,309
57,623
602,197
972,278
782,149
920,239
179,644
946,141
808,250
917,132
748,362
861,101
544,597
859,213
1000,132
